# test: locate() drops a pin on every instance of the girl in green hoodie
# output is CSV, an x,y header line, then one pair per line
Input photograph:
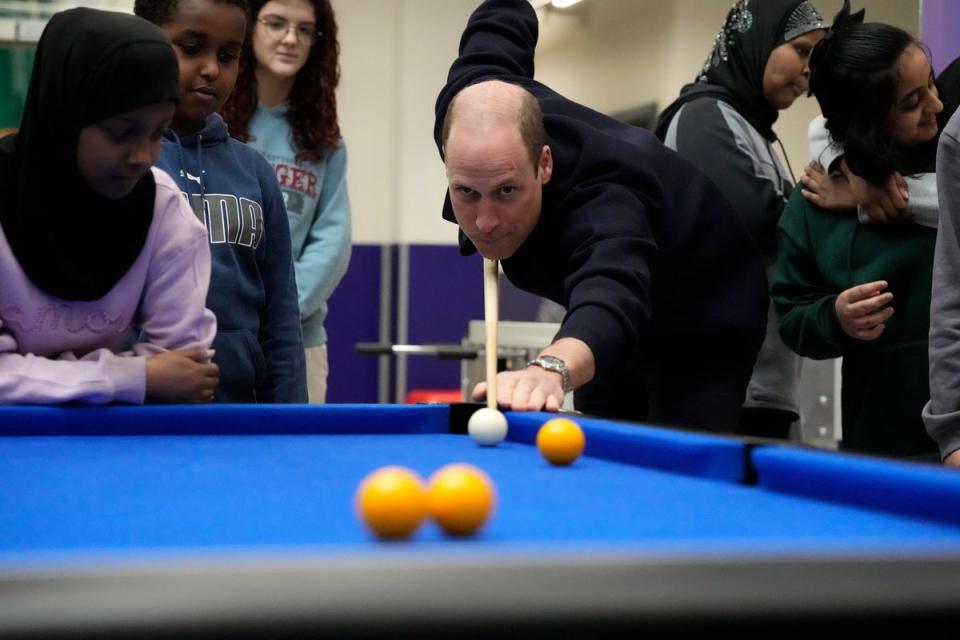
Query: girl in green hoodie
x,y
842,288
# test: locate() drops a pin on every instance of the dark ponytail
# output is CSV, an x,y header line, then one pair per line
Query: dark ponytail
x,y
854,76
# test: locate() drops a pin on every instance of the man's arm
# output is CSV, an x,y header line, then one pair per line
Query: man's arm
x,y
606,247
498,42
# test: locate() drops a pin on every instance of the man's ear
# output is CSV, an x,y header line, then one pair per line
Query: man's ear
x,y
545,165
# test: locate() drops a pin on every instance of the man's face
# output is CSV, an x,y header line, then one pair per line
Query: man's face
x,y
495,191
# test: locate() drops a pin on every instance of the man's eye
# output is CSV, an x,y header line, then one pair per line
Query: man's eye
x,y
507,190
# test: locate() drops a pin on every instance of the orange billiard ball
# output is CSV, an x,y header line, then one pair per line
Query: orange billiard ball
x,y
391,501
460,497
560,441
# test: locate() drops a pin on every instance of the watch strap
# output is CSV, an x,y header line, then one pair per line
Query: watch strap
x,y
555,364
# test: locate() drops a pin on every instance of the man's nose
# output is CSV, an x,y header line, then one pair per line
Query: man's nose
x,y
487,219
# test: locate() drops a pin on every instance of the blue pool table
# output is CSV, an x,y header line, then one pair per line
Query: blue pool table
x,y
221,519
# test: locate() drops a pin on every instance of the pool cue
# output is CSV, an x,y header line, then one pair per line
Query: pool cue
x,y
491,315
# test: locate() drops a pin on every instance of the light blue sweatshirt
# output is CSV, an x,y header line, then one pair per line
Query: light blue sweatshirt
x,y
318,208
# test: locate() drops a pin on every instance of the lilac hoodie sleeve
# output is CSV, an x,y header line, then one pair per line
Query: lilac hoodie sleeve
x,y
170,313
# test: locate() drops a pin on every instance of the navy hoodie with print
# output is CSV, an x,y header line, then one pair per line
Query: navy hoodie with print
x,y
253,293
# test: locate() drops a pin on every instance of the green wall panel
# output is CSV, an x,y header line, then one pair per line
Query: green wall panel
x,y
16,61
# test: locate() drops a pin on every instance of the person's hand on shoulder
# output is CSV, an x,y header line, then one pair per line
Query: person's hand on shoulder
x,y
826,191
186,376
862,311
886,203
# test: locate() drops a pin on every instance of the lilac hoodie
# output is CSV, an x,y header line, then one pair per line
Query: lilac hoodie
x,y
54,350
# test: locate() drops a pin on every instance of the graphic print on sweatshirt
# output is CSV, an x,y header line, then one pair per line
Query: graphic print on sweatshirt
x,y
228,219
297,183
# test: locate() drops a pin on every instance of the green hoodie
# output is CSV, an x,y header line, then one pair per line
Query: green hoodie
x,y
885,382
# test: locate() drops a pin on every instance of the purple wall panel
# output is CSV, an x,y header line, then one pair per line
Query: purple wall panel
x,y
355,317
940,30
446,291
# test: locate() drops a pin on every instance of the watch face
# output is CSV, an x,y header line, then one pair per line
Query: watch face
x,y
553,361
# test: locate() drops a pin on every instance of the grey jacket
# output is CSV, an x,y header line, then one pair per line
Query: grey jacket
x,y
942,414
742,163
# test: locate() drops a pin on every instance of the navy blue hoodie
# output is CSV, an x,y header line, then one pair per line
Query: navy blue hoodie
x,y
253,293
643,251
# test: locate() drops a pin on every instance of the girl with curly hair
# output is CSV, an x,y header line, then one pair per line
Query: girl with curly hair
x,y
284,105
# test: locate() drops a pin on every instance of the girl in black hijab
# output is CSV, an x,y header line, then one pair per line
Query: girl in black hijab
x,y
95,246
723,124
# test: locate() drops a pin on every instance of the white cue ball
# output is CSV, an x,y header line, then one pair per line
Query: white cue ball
x,y
487,427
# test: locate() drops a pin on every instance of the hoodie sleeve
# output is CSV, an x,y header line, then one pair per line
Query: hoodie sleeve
x,y
285,380
498,42
942,414
173,313
98,378
609,304
803,301
326,253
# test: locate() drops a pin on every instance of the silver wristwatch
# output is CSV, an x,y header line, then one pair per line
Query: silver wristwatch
x,y
553,363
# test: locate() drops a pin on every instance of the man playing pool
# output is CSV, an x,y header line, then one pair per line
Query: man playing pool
x,y
665,293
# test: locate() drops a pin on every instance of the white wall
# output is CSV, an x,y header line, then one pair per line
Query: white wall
x,y
613,55
394,60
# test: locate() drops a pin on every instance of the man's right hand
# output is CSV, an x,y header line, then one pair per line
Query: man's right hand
x,y
186,376
531,389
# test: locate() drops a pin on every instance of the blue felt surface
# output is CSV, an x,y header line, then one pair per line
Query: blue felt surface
x,y
923,491
129,493
217,419
685,452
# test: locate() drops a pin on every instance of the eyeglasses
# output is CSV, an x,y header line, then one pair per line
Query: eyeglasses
x,y
278,28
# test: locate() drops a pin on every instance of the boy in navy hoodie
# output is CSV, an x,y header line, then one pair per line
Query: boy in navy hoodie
x,y
234,192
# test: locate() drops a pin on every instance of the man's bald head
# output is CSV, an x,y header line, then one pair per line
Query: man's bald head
x,y
493,103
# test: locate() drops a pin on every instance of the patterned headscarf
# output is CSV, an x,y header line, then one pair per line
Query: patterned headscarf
x,y
752,30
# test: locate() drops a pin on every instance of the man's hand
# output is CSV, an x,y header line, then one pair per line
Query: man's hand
x,y
884,203
953,460
535,388
862,310
531,389
186,376
826,191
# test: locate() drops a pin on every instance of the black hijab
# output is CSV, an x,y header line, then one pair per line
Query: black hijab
x,y
90,65
733,72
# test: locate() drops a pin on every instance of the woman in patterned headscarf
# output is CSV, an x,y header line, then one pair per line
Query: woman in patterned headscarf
x,y
723,124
